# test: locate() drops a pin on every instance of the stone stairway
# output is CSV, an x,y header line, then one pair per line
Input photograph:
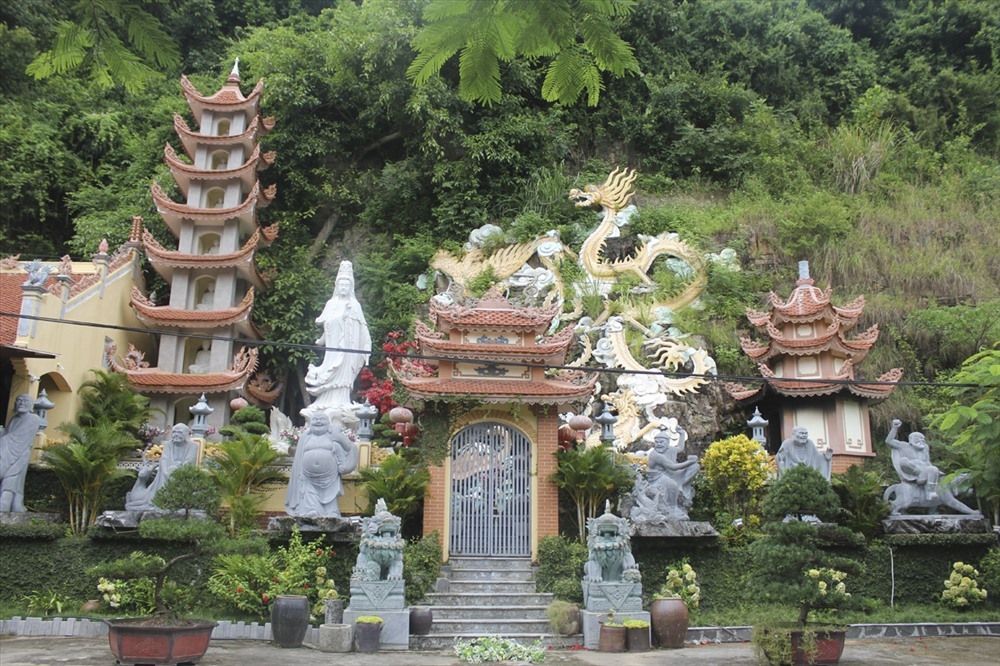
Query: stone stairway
x,y
489,596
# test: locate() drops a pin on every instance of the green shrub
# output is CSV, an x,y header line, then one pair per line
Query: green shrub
x,y
421,566
560,567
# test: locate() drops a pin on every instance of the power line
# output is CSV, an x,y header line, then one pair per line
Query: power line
x,y
422,357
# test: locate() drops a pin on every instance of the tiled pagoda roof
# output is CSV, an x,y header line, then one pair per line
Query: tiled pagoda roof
x,y
551,350
164,261
843,382
492,313
228,98
167,316
173,213
832,339
550,392
190,139
152,380
184,173
805,300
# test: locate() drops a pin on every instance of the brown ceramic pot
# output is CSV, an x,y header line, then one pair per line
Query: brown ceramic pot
x,y
637,639
611,639
670,621
829,648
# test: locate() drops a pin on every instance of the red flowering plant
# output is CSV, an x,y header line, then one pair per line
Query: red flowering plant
x,y
379,392
249,583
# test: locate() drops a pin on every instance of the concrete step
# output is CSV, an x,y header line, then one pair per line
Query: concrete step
x,y
453,598
490,587
521,563
489,612
485,626
498,575
446,641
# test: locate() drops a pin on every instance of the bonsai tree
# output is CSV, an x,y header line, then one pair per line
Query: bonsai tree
x,y
790,559
188,489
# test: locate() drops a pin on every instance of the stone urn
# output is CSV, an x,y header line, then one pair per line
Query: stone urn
x,y
334,611
289,620
421,619
669,617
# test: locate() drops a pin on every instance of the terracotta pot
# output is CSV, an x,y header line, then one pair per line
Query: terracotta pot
x,y
289,620
829,648
367,636
133,642
611,639
637,639
670,621
421,619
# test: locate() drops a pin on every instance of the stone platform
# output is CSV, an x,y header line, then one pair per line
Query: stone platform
x,y
592,624
936,524
336,525
395,626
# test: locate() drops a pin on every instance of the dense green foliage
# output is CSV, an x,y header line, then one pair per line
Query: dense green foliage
x,y
560,567
421,566
590,477
862,136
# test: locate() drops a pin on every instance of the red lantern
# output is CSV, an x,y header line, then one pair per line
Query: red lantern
x,y
238,403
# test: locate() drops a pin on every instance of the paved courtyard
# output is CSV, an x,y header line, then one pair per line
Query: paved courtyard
x,y
963,651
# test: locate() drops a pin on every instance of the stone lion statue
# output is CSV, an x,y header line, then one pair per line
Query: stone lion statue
x,y
380,556
609,549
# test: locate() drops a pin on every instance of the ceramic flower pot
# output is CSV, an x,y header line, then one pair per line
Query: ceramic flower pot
x,y
637,639
367,636
828,650
289,620
669,617
611,639
421,619
133,642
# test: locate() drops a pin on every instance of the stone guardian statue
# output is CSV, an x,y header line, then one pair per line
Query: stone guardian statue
x,y
15,452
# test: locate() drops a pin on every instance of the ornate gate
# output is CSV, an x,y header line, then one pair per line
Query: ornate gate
x,y
490,491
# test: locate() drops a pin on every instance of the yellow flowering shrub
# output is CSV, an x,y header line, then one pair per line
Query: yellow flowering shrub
x,y
736,471
961,588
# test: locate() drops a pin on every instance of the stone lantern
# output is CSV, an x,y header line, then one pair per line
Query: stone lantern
x,y
42,407
607,421
367,415
200,411
758,423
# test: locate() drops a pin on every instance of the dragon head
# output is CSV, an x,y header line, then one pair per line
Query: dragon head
x,y
614,193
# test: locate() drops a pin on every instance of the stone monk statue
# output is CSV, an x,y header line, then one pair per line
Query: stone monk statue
x,y
668,488
323,454
801,450
182,450
15,452
921,481
344,327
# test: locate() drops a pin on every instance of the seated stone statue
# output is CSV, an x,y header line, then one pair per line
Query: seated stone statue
x,y
609,550
202,360
323,454
380,555
182,450
920,480
801,450
15,452
667,491
207,300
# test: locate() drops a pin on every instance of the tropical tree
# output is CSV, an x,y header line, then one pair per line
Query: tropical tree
x,y
972,422
113,41
239,466
399,482
577,35
110,397
84,464
589,476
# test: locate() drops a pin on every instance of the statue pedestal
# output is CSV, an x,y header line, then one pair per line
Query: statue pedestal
x,y
129,520
327,524
616,597
395,625
936,524
675,527
592,624
376,595
28,517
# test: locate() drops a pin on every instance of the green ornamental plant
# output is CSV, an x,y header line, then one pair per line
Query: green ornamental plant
x,y
369,619
736,472
590,476
961,588
792,565
682,581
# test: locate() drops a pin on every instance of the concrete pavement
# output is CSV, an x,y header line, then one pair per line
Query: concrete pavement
x,y
953,651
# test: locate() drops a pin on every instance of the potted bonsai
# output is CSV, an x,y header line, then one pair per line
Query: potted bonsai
x,y
794,568
166,637
368,633
671,605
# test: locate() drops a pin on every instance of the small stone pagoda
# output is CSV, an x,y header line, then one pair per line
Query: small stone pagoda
x,y
809,363
212,274
492,496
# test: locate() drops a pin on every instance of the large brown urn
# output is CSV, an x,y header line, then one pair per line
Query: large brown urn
x,y
670,621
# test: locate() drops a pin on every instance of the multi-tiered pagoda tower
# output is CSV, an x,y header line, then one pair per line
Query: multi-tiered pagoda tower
x,y
809,363
212,274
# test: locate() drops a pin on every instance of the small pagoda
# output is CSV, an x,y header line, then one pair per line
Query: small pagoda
x,y
809,364
212,274
492,495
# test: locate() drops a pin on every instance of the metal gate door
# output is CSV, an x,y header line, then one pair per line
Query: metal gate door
x,y
490,491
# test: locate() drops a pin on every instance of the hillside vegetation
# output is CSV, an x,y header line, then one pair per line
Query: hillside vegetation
x,y
863,137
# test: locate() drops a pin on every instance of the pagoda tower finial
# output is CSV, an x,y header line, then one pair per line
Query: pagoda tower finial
x,y
804,273
234,76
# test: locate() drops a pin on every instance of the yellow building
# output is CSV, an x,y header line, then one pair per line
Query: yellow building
x,y
57,319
